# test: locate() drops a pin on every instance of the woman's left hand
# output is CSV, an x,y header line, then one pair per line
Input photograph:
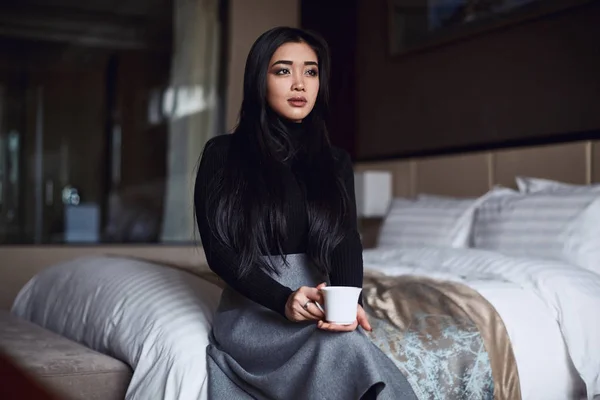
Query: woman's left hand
x,y
361,319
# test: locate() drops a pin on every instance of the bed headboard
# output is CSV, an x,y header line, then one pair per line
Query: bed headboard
x,y
472,174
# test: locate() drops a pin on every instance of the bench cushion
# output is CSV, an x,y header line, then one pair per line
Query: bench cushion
x,y
66,367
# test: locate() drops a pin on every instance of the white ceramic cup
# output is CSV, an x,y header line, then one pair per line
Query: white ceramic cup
x,y
341,303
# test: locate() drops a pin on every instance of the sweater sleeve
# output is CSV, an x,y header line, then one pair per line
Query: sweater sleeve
x,y
256,285
346,259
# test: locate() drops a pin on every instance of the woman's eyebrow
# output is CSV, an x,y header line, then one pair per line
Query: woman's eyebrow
x,y
287,62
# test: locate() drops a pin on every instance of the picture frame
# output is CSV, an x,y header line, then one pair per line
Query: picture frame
x,y
418,25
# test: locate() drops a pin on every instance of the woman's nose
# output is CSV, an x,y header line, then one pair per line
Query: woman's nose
x,y
298,85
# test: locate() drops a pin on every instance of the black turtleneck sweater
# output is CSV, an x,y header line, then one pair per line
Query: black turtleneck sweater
x,y
257,285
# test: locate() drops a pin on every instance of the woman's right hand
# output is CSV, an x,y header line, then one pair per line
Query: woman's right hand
x,y
295,309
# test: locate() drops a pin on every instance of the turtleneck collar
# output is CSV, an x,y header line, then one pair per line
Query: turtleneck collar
x,y
296,129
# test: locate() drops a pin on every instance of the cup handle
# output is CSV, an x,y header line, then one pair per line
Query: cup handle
x,y
319,307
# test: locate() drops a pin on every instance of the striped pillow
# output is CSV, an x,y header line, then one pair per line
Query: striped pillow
x,y
563,227
528,184
429,221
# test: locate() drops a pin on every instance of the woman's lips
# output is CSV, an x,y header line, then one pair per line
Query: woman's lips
x,y
297,102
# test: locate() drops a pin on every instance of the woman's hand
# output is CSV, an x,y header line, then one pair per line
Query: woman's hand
x,y
361,319
301,306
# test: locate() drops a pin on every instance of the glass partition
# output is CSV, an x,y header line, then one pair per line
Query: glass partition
x,y
103,115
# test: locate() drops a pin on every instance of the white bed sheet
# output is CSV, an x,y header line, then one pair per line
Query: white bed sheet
x,y
529,304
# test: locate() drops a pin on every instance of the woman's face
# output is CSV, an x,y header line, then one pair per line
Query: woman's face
x,y
293,81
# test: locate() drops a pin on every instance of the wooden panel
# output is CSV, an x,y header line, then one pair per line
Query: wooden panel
x,y
563,162
459,176
401,175
596,162
468,175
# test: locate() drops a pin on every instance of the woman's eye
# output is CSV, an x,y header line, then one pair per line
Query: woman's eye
x,y
312,72
282,71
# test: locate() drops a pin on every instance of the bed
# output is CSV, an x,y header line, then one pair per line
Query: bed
x,y
525,254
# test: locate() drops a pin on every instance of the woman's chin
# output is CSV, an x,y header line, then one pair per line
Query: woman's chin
x,y
296,114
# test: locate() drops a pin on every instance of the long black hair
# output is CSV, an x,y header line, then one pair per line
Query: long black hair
x,y
248,196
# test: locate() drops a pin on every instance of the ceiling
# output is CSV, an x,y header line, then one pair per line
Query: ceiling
x,y
142,24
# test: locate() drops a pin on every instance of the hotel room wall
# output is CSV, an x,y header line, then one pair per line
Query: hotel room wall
x,y
247,19
535,78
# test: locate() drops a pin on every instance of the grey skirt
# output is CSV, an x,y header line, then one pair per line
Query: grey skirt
x,y
254,353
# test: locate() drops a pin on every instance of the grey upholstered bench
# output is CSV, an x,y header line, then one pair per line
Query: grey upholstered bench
x,y
67,368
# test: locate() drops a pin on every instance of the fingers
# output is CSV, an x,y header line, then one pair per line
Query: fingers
x,y
304,315
299,313
315,311
311,312
326,326
321,300
362,320
365,325
311,293
294,310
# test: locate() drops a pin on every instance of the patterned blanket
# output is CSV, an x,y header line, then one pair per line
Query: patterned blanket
x,y
446,339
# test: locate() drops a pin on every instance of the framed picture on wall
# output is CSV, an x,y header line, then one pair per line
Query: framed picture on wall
x,y
415,25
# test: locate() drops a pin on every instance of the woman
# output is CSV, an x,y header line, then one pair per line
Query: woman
x,y
277,218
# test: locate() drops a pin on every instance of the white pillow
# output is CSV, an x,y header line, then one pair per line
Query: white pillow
x,y
562,227
528,184
430,220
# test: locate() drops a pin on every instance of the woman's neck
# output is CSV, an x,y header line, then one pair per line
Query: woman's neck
x,y
296,129
293,124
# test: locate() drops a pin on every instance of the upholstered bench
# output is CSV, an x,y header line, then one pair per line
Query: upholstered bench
x,y
67,368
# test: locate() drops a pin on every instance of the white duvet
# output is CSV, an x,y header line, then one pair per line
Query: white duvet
x,y
154,318
551,310
157,319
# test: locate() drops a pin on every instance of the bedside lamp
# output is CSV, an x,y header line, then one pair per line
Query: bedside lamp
x,y
373,190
